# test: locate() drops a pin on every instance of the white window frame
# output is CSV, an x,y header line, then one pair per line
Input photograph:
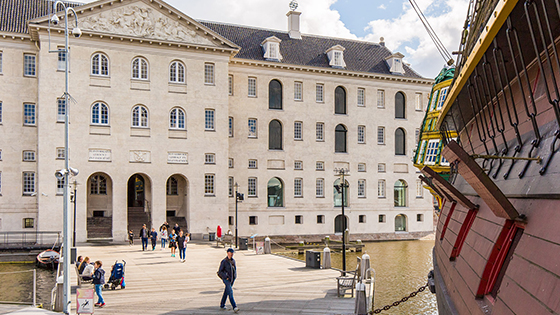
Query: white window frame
x,y
175,120
230,126
320,132
252,164
442,96
381,188
320,188
209,73
361,134
99,114
298,165
231,163
381,168
209,119
143,71
319,165
209,158
141,123
380,98
298,91
361,188
380,135
177,72
28,156
361,167
61,59
320,93
252,187
432,152
29,65
29,120
60,153
361,97
60,109
28,180
298,187
209,184
102,70
298,130
60,186
419,106
420,156
230,84
252,127
252,87
419,189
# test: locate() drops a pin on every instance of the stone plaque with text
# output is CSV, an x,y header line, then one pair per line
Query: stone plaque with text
x,y
177,158
99,155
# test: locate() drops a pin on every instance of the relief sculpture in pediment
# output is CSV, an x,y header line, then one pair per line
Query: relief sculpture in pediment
x,y
141,21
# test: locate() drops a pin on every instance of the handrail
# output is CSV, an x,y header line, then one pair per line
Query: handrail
x,y
27,239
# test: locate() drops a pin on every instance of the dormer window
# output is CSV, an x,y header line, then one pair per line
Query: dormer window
x,y
395,63
271,48
336,56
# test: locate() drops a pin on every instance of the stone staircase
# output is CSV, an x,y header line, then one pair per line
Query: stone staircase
x,y
136,218
100,228
182,221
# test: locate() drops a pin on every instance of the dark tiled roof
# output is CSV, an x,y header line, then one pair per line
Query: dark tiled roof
x,y
310,50
14,14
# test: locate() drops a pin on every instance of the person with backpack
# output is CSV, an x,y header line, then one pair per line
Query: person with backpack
x,y
228,273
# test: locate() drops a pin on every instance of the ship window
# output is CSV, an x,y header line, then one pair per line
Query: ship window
x,y
442,96
434,100
432,152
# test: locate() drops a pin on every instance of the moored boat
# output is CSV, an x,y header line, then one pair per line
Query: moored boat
x,y
48,259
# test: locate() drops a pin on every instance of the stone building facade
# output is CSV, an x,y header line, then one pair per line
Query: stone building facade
x,y
168,113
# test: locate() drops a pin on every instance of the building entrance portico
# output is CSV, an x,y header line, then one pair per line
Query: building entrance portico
x,y
139,195
177,201
99,206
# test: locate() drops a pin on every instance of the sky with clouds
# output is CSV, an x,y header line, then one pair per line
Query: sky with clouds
x,y
395,20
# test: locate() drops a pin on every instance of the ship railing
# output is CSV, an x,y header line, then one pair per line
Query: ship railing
x,y
34,294
29,239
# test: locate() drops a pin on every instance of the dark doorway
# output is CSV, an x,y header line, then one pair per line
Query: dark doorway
x,y
340,223
136,191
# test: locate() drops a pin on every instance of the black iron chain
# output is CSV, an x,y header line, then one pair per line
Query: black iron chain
x,y
396,303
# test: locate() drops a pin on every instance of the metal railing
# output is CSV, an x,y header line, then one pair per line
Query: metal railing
x,y
34,303
29,239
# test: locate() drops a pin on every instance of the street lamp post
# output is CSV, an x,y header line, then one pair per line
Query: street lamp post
x,y
75,186
341,188
65,173
236,200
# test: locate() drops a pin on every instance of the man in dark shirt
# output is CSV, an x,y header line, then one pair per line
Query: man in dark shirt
x,y
144,236
228,273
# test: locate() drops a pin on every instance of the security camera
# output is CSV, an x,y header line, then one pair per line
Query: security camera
x,y
59,174
77,32
74,171
55,19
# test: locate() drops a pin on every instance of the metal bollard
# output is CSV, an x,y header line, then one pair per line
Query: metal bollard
x,y
361,301
326,258
267,249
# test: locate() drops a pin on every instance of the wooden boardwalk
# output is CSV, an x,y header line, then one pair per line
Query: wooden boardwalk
x,y
267,284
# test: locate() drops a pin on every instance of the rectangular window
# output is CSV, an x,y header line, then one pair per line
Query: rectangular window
x,y
252,187
29,223
361,97
298,126
0,183
442,96
230,186
209,184
0,154
419,189
381,188
320,132
252,163
299,219
28,183
231,220
319,93
252,127
209,119
381,168
60,186
418,101
298,91
361,134
417,135
230,84
298,187
253,220
380,135
319,166
420,155
380,99
29,114
361,188
60,154
1,61
432,152
61,109
230,126
209,158
61,59
434,100
381,218
0,112
29,156
208,73
320,219
419,217
319,188
252,87
361,167
337,58
298,165
230,162
361,218
29,69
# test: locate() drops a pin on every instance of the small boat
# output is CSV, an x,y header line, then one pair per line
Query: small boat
x,y
48,259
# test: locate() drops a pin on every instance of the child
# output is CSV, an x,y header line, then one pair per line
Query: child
x,y
163,237
153,235
98,281
130,238
173,242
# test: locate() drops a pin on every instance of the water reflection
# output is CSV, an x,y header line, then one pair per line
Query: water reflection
x,y
401,267
18,287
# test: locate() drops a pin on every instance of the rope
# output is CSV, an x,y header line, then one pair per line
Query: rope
x,y
439,45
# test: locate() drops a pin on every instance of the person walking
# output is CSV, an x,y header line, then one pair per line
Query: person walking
x,y
182,244
130,237
177,228
153,236
228,273
164,225
163,237
144,237
98,281
173,243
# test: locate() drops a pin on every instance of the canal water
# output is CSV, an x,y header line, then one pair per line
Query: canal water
x,y
17,283
401,267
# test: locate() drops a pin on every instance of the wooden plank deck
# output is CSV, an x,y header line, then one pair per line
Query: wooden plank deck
x,y
267,284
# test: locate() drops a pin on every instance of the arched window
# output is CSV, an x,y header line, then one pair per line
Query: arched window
x,y
275,135
400,223
100,114
340,138
172,186
177,72
275,190
400,108
140,68
339,100
100,65
177,118
98,185
338,193
401,190
275,95
400,143
340,223
139,116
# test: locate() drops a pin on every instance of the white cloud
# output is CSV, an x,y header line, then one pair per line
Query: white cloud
x,y
382,7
